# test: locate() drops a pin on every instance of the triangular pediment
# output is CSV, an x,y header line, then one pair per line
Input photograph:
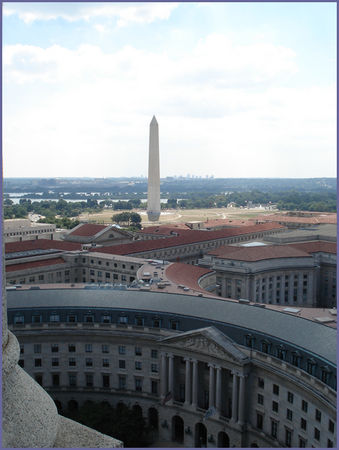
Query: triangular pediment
x,y
209,341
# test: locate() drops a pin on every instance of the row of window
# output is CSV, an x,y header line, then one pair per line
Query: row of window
x,y
290,399
105,348
288,432
72,362
99,263
90,318
293,357
106,381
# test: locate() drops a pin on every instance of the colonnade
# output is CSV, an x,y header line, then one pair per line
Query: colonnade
x,y
215,397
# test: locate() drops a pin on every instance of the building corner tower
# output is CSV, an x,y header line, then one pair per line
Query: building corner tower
x,y
153,197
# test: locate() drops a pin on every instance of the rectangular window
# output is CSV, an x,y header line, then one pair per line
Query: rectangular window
x,y
275,389
290,397
88,348
89,319
71,348
19,320
123,319
56,379
72,318
72,378
54,318
106,319
304,405
122,364
275,406
261,383
316,434
138,365
139,321
318,415
89,380
105,348
329,443
89,362
105,362
154,368
37,362
274,429
55,362
122,350
288,438
260,399
174,325
302,443
105,381
154,353
154,387
330,426
289,414
37,348
138,351
72,362
122,382
156,323
260,421
303,424
138,384
36,319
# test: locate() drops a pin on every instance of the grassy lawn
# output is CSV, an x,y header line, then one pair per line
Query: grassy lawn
x,y
179,215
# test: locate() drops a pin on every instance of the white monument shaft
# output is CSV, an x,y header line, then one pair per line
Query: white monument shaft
x,y
153,198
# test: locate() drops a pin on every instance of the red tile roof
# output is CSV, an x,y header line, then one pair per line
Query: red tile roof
x,y
165,229
87,229
316,246
33,264
258,253
40,244
186,274
185,238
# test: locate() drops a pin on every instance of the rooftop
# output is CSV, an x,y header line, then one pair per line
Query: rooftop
x,y
186,237
87,229
258,253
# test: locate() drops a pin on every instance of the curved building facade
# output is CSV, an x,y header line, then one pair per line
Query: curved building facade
x,y
204,371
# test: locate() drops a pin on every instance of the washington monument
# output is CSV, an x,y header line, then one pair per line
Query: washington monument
x,y
153,197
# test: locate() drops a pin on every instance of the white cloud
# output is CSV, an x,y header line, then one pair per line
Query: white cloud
x,y
124,13
223,105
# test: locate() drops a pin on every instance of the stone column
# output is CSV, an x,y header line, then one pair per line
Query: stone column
x,y
274,290
188,386
195,384
290,289
261,299
163,382
300,290
241,399
211,387
171,374
282,288
235,397
218,390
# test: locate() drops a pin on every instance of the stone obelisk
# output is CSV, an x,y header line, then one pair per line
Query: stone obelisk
x,y
153,197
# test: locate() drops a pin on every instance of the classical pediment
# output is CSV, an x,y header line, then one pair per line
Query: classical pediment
x,y
209,341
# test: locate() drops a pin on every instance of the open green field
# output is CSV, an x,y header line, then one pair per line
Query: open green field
x,y
172,216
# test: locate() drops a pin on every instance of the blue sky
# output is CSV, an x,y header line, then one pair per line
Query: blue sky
x,y
239,89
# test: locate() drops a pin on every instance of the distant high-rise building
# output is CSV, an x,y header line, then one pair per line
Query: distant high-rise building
x,y
153,198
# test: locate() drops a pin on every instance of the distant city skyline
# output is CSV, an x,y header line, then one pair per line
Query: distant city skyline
x,y
239,89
